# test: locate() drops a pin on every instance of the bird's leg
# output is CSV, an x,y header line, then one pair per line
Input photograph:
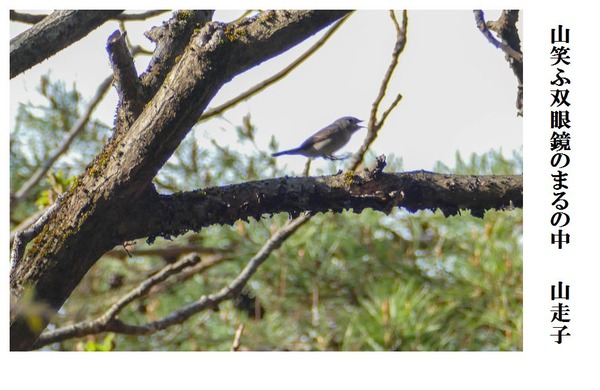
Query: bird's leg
x,y
337,158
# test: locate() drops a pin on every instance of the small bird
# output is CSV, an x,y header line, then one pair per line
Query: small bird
x,y
327,140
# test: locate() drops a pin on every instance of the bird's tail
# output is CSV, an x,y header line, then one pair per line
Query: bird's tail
x,y
290,151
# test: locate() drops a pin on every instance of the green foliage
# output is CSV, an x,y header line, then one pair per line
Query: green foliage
x,y
58,183
39,130
106,345
491,163
342,282
348,282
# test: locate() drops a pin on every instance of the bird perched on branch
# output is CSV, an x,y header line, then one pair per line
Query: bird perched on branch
x,y
328,140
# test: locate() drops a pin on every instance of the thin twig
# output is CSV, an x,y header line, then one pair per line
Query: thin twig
x,y
398,48
212,112
109,322
166,252
145,286
306,168
141,15
232,289
103,323
77,128
235,346
375,124
22,238
207,262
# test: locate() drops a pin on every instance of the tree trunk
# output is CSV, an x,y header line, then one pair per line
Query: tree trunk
x,y
100,210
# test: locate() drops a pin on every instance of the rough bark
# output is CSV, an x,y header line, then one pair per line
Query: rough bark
x,y
506,28
371,188
100,209
113,201
52,34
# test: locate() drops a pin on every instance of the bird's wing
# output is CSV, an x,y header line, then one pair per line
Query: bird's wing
x,y
320,135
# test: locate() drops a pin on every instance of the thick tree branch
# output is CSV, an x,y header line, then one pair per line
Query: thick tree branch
x,y
98,212
22,17
370,188
125,80
216,54
55,32
506,28
171,39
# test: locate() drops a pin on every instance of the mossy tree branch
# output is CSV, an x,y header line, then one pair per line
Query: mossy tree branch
x,y
96,214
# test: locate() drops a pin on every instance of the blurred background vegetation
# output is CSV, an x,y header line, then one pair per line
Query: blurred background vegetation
x,y
347,281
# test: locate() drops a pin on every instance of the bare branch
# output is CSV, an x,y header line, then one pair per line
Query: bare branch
x,y
389,110
22,238
375,124
77,128
228,292
206,263
399,48
103,322
109,322
125,76
125,80
34,18
26,223
55,32
235,346
212,112
166,252
481,25
140,15
506,28
171,39
26,18
146,285
357,190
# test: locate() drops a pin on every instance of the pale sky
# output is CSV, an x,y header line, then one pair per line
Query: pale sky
x,y
458,91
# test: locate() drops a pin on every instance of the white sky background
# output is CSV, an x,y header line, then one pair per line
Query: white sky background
x,y
458,90
459,93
